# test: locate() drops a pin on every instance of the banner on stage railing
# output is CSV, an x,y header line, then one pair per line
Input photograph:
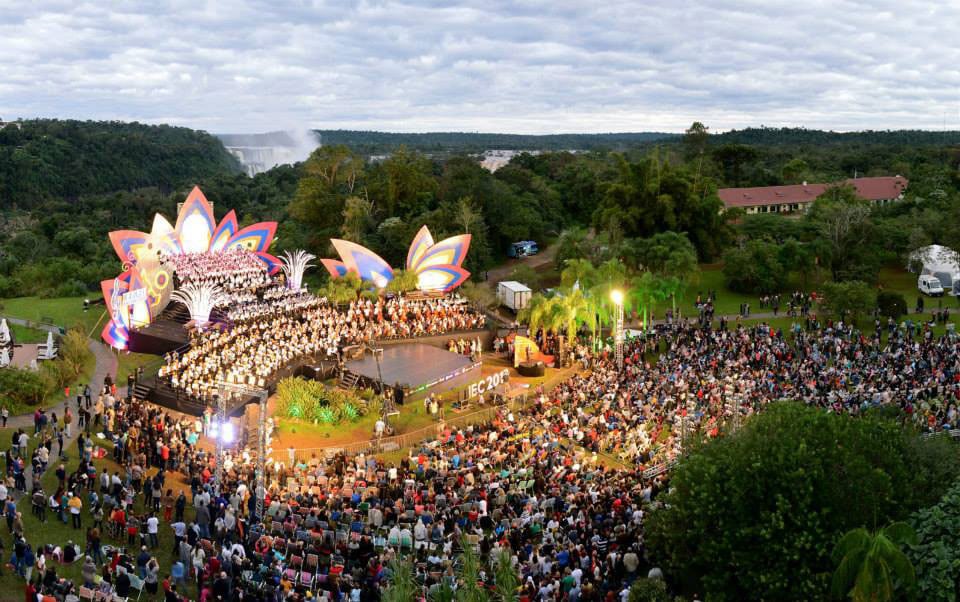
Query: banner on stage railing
x,y
488,383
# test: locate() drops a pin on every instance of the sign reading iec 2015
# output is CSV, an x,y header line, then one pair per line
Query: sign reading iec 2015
x,y
488,383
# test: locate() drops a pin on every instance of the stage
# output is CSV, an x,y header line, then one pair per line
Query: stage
x,y
419,368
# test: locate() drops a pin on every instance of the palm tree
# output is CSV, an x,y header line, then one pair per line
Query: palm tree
x,y
871,567
402,585
578,270
536,312
645,290
611,275
506,578
575,310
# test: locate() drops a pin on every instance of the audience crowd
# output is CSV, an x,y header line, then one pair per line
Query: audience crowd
x,y
558,484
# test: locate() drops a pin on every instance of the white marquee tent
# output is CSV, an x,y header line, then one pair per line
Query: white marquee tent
x,y
939,261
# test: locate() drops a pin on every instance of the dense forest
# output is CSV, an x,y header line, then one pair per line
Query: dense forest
x,y
367,142
64,185
53,159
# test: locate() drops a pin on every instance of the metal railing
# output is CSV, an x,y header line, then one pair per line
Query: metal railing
x,y
45,326
954,433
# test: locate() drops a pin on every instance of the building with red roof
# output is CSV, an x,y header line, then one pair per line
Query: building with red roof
x,y
797,197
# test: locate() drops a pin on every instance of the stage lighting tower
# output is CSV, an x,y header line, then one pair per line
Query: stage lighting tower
x,y
225,435
616,295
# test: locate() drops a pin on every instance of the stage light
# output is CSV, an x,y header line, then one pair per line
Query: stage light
x,y
226,433
616,295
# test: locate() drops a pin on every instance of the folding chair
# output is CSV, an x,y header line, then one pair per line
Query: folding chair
x,y
136,583
312,563
306,579
296,562
86,593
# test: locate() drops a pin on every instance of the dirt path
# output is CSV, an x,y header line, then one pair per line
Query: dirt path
x,y
502,272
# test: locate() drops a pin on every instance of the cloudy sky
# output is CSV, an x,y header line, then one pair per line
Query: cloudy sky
x,y
495,66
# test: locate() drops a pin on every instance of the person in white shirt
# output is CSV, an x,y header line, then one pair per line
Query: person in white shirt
x,y
153,525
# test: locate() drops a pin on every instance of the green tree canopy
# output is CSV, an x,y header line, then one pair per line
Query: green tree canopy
x,y
754,268
755,515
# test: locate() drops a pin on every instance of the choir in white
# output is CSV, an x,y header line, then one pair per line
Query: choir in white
x,y
271,326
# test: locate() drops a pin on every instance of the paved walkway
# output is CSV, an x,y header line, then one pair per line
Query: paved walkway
x,y
106,363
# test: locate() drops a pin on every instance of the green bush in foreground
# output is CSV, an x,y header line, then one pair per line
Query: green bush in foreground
x,y
757,514
936,557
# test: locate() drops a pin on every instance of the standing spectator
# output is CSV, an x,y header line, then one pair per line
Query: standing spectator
x,y
76,505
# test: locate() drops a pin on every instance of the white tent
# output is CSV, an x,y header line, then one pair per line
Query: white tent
x,y
939,261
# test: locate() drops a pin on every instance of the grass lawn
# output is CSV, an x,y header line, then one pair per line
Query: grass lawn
x,y
127,363
54,532
25,334
62,311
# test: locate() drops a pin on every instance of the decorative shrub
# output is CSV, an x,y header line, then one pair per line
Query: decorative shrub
x,y
312,400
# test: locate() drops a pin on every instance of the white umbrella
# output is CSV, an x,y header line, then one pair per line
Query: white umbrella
x,y
4,331
49,341
4,357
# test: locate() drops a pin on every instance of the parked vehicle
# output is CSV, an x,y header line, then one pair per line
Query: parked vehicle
x,y
930,285
524,248
513,294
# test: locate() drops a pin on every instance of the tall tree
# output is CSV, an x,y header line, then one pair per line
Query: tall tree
x,y
330,176
847,238
357,218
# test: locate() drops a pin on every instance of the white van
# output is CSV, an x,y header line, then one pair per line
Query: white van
x,y
930,285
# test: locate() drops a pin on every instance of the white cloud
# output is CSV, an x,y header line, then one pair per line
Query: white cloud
x,y
493,65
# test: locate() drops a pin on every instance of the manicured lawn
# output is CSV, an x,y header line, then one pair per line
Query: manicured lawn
x,y
25,334
127,363
62,311
54,532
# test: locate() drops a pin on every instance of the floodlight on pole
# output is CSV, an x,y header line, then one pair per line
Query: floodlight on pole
x,y
616,295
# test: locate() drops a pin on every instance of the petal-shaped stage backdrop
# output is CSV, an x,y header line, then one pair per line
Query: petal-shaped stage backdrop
x,y
449,251
272,263
336,268
195,223
253,238
225,231
420,244
441,278
364,262
161,225
117,331
127,244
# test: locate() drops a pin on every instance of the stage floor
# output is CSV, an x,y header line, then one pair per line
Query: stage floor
x,y
411,365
